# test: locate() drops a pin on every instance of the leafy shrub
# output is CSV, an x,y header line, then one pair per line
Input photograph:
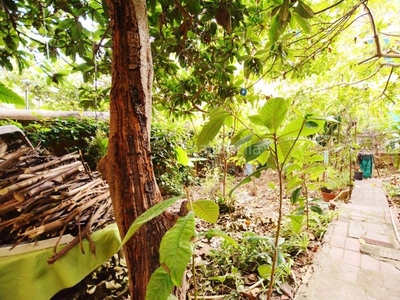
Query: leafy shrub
x,y
61,136
165,139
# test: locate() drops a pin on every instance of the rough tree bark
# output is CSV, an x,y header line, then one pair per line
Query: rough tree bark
x,y
127,166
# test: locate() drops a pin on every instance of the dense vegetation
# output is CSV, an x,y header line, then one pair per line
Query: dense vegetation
x,y
259,82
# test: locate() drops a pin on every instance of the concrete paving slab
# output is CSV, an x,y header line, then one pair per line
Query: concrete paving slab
x,y
360,258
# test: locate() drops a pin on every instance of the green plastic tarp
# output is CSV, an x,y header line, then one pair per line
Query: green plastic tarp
x,y
366,162
28,276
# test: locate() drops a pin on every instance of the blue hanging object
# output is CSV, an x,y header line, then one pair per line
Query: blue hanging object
x,y
243,91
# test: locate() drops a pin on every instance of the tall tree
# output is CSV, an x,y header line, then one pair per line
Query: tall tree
x,y
127,166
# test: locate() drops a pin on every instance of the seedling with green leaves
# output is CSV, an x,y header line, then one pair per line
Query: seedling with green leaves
x,y
177,245
272,141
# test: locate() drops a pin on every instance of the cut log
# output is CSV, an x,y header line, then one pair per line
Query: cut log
x,y
11,158
71,156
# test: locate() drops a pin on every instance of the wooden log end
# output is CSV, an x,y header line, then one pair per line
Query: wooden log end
x,y
4,191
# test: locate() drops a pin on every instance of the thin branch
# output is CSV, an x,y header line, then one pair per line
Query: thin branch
x,y
387,83
329,7
351,83
375,57
376,36
390,64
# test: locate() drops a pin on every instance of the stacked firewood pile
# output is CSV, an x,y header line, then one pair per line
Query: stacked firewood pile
x,y
42,196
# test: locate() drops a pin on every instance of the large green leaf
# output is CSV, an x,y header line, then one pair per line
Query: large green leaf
x,y
207,210
273,113
304,10
307,128
302,22
176,247
8,96
211,129
255,150
148,215
160,285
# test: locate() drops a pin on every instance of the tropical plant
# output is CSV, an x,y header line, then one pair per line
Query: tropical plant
x,y
177,245
272,144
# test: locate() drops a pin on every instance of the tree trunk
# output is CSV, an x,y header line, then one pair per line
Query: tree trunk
x,y
127,166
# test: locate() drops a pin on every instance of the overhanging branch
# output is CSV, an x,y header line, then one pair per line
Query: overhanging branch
x,y
379,53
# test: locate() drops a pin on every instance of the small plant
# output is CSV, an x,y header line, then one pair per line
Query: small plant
x,y
335,181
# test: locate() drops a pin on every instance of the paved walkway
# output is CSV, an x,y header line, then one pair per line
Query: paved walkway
x,y
360,258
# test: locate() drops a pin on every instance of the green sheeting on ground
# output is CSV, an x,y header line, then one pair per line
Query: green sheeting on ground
x,y
28,276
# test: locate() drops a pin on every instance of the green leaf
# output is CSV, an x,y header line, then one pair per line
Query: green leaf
x,y
296,222
293,128
211,129
243,140
255,150
8,96
263,158
273,113
315,158
257,120
284,11
241,134
317,209
218,232
182,157
304,10
64,24
292,167
277,27
311,124
194,7
160,285
315,171
264,271
295,196
148,215
302,22
176,247
84,67
293,182
206,209
284,148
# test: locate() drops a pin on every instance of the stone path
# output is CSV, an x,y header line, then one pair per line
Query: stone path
x,y
360,258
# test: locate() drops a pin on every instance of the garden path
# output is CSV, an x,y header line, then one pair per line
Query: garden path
x,y
360,258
